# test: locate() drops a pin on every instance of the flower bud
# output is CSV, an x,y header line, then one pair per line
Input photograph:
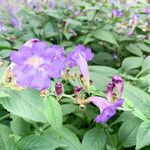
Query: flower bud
x,y
58,88
119,84
109,91
77,90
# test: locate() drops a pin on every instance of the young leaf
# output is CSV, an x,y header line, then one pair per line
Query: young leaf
x,y
94,139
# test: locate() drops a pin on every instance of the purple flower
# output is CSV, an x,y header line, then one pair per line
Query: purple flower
x,y
119,84
147,11
2,28
79,57
34,67
117,13
56,52
52,4
77,90
20,23
17,22
133,23
109,91
59,88
13,22
77,12
113,2
69,6
107,109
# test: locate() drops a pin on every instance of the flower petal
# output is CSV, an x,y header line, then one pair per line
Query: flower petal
x,y
20,56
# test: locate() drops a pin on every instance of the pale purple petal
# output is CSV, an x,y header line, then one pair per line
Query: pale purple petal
x,y
109,91
119,84
20,56
31,42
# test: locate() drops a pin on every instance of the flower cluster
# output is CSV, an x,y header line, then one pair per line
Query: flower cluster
x,y
108,107
36,63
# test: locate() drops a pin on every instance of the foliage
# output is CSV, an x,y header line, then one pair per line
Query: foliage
x,y
29,120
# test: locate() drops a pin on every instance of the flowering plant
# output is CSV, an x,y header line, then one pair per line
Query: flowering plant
x,y
74,75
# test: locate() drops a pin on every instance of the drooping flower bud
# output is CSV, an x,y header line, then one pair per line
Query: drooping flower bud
x,y
59,88
109,91
119,84
77,90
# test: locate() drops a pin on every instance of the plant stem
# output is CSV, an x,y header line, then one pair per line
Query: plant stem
x,y
5,117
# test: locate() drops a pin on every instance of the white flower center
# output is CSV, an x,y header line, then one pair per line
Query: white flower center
x,y
35,61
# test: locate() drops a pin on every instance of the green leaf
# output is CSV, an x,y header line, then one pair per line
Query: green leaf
x,y
4,45
143,135
53,113
5,53
70,140
19,126
99,80
49,30
132,63
134,49
53,13
39,142
107,71
138,97
26,104
4,136
2,70
144,47
69,108
3,94
146,65
101,75
127,132
94,139
104,35
102,58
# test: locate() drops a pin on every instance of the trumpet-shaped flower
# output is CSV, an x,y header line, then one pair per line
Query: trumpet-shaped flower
x,y
79,57
34,67
108,107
